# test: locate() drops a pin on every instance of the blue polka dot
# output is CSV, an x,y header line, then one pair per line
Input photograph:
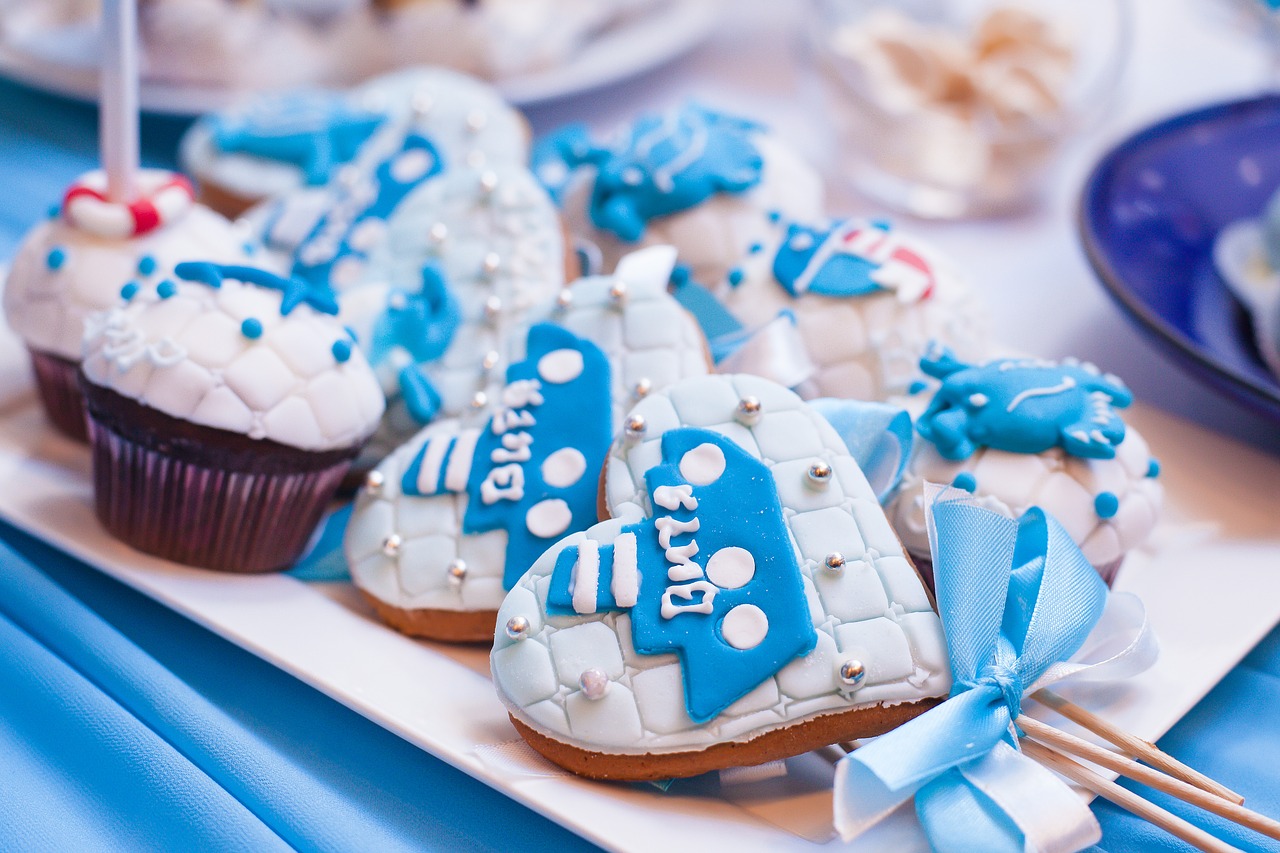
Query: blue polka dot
x,y
129,291
680,275
1153,467
341,350
916,387
735,277
755,248
251,328
965,481
774,216
1106,504
250,248
56,258
146,265
165,289
54,210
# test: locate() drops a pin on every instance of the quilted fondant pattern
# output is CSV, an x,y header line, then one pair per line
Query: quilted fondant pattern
x,y
875,610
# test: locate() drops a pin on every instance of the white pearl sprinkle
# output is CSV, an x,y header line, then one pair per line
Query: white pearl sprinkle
x,y
517,627
594,684
457,571
391,545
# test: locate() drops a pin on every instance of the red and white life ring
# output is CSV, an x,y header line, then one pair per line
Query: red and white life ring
x,y
902,268
162,198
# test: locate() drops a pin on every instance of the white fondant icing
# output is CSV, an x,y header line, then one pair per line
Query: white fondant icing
x,y
745,626
586,577
702,465
153,350
549,518
675,497
626,574
731,567
564,467
560,366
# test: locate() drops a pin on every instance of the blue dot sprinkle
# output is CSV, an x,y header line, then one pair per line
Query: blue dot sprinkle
x,y
965,481
774,216
251,328
54,210
680,275
1106,504
735,277
56,258
165,289
1153,467
129,291
351,333
755,248
250,248
916,387
146,265
341,350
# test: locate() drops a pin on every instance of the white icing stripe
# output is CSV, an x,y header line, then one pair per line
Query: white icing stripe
x,y
586,577
626,574
464,447
1066,385
432,458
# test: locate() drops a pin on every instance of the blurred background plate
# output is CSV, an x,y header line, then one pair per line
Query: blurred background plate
x,y
1148,218
638,45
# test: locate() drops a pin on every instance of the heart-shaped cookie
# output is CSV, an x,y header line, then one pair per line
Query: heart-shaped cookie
x,y
453,517
747,601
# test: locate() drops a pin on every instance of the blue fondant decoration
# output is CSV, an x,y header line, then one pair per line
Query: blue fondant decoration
x,y
166,289
296,291
341,350
423,323
56,258
360,205
841,258
965,481
672,162
146,265
556,156
251,328
556,399
313,130
130,290
1106,504
418,393
714,319
1022,406
680,607
1153,467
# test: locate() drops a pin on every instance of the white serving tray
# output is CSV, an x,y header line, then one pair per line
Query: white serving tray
x,y
1211,582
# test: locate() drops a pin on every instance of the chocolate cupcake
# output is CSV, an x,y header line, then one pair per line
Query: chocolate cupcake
x,y
80,260
224,409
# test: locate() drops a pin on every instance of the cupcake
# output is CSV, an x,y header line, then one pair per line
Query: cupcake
x,y
865,299
274,143
693,178
225,407
81,259
1019,433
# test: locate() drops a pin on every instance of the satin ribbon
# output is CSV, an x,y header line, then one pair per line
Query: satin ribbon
x,y
775,351
1021,608
878,435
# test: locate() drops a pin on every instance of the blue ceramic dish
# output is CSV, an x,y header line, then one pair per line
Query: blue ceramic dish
x,y
1148,218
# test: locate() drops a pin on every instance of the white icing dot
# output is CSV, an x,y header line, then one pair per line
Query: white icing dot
x,y
563,468
744,627
411,165
731,568
703,464
560,366
367,234
548,518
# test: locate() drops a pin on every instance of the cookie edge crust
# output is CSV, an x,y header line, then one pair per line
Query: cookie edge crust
x,y
427,623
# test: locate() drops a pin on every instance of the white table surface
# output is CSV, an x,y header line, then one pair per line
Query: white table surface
x,y
1030,269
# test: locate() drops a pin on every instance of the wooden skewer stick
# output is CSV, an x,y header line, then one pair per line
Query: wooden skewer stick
x,y
1126,799
1072,745
1135,746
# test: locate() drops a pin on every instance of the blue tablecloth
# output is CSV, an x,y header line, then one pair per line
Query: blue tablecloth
x,y
125,726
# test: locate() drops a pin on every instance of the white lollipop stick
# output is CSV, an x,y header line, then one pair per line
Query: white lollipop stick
x,y
118,101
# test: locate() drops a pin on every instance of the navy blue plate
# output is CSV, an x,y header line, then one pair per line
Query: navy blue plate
x,y
1148,218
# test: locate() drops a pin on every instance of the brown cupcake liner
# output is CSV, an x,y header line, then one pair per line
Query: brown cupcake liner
x,y
205,497
57,381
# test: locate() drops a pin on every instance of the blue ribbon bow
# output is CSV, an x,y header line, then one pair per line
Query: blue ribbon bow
x,y
1017,599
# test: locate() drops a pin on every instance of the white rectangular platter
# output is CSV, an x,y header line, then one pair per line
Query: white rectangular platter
x,y
1211,582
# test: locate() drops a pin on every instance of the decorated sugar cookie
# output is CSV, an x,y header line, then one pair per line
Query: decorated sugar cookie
x,y
452,518
90,252
693,178
746,601
274,143
458,273
1018,433
865,301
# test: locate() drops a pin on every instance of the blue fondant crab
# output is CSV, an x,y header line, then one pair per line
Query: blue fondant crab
x,y
671,163
1022,406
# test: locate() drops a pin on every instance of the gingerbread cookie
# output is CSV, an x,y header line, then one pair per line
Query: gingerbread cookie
x,y
865,299
693,178
452,518
1019,433
747,600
